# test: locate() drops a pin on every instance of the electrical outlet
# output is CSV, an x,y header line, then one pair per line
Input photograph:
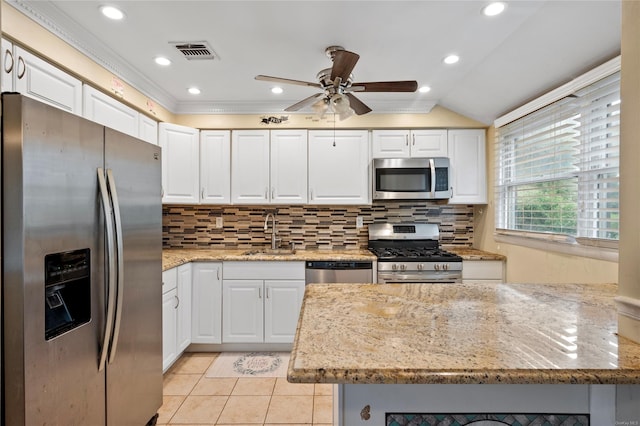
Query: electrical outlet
x,y
219,222
359,222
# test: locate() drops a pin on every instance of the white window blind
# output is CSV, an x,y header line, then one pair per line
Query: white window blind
x,y
557,167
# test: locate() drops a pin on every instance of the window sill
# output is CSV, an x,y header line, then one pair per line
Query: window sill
x,y
558,243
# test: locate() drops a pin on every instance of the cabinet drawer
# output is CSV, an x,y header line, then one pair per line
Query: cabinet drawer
x,y
482,270
263,270
169,280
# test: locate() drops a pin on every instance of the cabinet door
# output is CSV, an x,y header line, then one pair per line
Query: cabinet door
x,y
429,143
42,81
206,308
390,144
288,166
281,310
242,311
468,166
215,167
180,168
184,307
250,166
8,65
109,112
148,129
339,167
169,321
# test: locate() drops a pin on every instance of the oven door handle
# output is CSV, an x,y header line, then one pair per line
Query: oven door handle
x,y
432,168
395,277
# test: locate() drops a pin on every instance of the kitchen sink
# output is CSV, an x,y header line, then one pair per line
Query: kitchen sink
x,y
270,251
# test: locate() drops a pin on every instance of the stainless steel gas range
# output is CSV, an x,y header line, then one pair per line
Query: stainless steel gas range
x,y
410,253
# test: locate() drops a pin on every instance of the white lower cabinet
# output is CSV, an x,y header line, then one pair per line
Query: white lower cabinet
x,y
261,301
176,313
206,308
488,271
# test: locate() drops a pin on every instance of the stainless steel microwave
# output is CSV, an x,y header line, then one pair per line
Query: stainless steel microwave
x,y
411,178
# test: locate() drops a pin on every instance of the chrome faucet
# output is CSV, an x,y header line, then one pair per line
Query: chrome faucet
x,y
274,231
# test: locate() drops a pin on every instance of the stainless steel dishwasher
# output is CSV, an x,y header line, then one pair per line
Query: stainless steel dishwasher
x,y
338,272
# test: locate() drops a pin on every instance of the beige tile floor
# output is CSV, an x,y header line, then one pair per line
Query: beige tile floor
x,y
191,399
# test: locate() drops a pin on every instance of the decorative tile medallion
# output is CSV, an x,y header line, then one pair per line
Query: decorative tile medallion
x,y
487,419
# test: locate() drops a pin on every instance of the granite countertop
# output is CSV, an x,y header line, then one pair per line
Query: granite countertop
x,y
176,257
469,253
462,334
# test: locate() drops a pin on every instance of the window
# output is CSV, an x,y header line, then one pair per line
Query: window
x,y
557,167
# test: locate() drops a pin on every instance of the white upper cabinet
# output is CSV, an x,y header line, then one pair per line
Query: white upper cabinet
x,y
180,168
148,129
288,167
40,80
110,112
269,167
409,143
468,166
215,166
250,166
429,143
339,167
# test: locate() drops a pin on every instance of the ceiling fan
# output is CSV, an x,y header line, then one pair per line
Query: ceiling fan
x,y
337,86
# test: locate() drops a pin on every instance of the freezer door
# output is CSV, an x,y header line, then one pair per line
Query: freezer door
x,y
49,194
134,369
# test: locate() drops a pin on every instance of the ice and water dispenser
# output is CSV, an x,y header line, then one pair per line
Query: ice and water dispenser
x,y
67,296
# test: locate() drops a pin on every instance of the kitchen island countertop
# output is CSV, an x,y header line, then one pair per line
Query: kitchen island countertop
x,y
462,334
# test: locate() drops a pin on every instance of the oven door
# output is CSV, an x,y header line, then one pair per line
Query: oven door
x,y
428,277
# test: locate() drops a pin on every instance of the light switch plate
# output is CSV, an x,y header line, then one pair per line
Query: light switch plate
x,y
219,222
359,222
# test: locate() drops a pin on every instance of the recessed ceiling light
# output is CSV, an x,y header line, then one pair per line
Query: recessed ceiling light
x,y
112,12
194,90
276,90
493,9
451,59
161,60
424,89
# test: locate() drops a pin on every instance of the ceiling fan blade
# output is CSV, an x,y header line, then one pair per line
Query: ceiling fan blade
x,y
303,103
343,63
357,105
287,81
385,86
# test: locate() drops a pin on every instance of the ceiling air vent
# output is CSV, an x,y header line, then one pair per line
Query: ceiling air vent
x,y
195,50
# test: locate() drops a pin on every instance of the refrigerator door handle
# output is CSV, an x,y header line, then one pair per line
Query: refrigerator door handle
x,y
111,285
120,260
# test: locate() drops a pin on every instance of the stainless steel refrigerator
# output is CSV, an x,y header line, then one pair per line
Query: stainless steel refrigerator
x,y
81,271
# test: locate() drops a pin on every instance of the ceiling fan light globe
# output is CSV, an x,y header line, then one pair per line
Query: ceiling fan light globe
x,y
340,104
344,115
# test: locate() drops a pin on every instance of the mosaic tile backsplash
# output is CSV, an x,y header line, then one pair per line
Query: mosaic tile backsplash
x,y
309,227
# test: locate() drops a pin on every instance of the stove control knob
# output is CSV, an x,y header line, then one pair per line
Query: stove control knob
x,y
436,267
394,267
445,267
420,266
403,267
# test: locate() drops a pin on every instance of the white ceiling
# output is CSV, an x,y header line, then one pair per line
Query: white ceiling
x,y
507,60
